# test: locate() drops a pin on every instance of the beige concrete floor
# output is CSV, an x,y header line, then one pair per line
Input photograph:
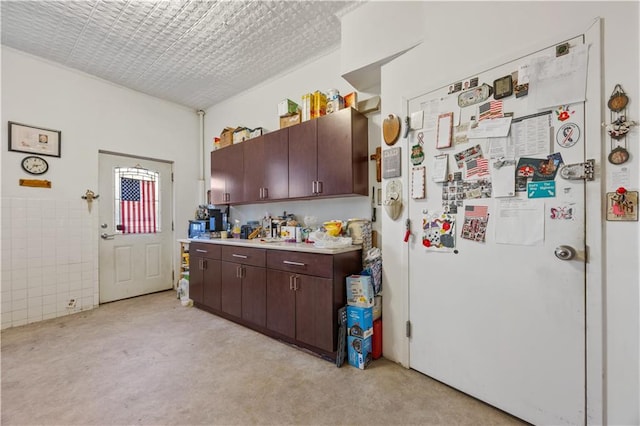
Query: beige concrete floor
x,y
150,361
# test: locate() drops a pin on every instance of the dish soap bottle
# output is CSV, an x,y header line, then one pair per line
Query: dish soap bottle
x,y
236,229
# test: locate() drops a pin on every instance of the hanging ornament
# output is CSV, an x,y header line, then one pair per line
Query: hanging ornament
x,y
417,153
618,100
618,155
618,127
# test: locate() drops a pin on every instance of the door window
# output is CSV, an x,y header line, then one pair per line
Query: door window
x,y
137,202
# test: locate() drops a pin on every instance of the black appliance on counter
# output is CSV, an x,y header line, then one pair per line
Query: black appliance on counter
x,y
198,228
217,220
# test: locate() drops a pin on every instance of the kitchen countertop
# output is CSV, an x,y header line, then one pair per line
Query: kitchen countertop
x,y
272,245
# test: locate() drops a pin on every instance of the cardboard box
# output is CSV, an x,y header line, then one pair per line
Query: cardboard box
x,y
351,100
377,307
287,107
291,120
319,106
359,322
359,351
360,291
226,137
258,131
305,106
241,134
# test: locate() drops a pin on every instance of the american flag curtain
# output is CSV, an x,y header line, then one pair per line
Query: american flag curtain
x,y
138,206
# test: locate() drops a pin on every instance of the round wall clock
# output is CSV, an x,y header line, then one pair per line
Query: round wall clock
x,y
35,165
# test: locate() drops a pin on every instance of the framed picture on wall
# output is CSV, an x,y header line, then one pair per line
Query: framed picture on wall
x,y
34,140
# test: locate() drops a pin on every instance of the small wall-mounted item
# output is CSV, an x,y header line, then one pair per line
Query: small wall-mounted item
x,y
391,162
622,205
34,140
393,199
391,129
89,196
35,183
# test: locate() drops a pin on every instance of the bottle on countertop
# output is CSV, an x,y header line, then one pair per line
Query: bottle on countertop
x,y
236,229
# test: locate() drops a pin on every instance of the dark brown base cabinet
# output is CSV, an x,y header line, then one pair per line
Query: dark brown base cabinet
x,y
204,275
289,295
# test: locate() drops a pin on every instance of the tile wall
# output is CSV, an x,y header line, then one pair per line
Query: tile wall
x,y
49,256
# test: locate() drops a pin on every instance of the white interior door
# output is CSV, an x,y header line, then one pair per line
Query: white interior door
x,y
504,322
135,226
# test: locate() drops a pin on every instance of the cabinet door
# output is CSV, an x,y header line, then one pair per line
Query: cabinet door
x,y
196,278
276,165
315,322
227,174
254,295
266,160
231,289
342,153
303,159
254,150
281,303
212,284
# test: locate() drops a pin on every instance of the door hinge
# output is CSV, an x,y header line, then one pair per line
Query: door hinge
x,y
172,226
173,275
408,328
578,171
171,176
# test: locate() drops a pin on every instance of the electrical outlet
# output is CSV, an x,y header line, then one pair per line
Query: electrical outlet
x,y
71,304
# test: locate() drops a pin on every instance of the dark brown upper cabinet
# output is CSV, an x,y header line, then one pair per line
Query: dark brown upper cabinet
x,y
328,156
227,174
324,157
266,171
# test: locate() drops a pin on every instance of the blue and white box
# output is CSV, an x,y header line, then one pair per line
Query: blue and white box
x,y
359,322
359,351
360,291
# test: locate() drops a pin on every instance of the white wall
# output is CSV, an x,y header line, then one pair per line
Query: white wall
x,y
49,238
463,37
258,108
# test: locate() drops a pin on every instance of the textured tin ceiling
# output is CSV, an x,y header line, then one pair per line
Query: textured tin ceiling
x,y
195,53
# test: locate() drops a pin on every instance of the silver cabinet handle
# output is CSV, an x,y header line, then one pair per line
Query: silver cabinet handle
x,y
201,251
289,262
295,283
265,193
319,187
241,256
291,282
313,187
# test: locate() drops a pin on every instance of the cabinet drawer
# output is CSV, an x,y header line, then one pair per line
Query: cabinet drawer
x,y
244,255
210,251
319,265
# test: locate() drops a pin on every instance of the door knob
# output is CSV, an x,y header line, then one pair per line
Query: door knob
x,y
106,236
565,252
